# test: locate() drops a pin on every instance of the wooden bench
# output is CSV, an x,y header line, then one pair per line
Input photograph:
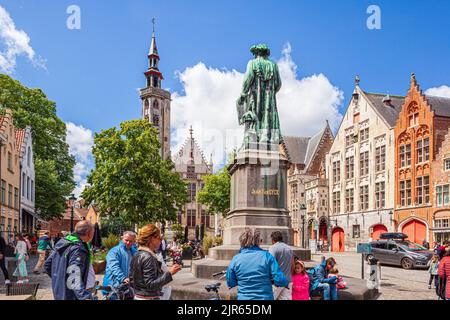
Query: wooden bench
x,y
22,289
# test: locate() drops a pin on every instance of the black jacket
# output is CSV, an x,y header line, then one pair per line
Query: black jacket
x,y
2,245
146,276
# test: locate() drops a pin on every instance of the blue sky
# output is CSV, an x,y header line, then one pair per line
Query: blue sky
x,y
93,73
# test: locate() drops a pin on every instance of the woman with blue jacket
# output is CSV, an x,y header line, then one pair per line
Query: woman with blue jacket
x,y
254,270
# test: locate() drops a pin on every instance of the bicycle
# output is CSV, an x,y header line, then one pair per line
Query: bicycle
x,y
123,292
216,286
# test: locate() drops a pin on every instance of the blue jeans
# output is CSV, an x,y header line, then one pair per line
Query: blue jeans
x,y
328,290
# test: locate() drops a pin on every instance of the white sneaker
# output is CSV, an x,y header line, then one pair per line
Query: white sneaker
x,y
20,281
7,282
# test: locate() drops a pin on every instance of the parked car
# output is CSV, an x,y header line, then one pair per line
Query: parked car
x,y
402,253
393,236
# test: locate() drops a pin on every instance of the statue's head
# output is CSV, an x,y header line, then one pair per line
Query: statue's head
x,y
260,50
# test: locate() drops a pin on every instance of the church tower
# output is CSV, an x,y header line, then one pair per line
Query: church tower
x,y
156,101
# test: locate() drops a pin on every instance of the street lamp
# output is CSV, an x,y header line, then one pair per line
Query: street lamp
x,y
302,214
72,200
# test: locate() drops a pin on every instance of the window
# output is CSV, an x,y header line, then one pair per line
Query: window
x,y
16,198
423,190
23,184
423,150
379,195
179,217
336,171
191,218
380,158
29,157
10,161
156,120
356,231
192,192
405,155
3,191
364,133
364,197
336,202
447,164
28,187
10,195
349,200
442,195
349,140
441,223
206,219
191,172
364,163
414,119
405,193
32,191
349,168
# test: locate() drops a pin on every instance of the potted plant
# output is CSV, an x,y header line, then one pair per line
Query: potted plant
x,y
187,251
99,262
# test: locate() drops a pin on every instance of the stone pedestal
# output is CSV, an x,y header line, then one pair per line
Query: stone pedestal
x,y
258,201
258,196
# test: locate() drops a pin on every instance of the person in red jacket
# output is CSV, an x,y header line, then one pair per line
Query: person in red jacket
x,y
444,272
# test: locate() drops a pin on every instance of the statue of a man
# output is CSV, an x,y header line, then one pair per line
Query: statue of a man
x,y
257,105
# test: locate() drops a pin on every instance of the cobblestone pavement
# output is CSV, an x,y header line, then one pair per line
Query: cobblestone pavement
x,y
396,283
45,283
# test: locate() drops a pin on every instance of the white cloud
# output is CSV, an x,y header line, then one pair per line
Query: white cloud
x,y
442,91
80,141
209,105
15,43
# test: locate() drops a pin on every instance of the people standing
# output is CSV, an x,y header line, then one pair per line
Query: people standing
x,y
426,244
253,270
21,258
118,262
320,281
3,259
433,265
163,248
70,265
444,273
147,277
43,246
285,258
300,281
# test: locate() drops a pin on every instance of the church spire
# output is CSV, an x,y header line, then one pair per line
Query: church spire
x,y
153,75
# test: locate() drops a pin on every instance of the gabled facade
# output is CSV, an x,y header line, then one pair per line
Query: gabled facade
x,y
27,180
360,170
191,165
306,155
9,177
441,192
62,225
419,133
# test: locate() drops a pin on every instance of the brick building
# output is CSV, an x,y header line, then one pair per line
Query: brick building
x,y
56,226
419,132
441,192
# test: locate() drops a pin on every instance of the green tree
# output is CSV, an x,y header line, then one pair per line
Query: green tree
x,y
53,163
216,192
131,178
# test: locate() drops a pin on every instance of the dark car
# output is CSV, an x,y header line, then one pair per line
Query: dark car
x,y
402,253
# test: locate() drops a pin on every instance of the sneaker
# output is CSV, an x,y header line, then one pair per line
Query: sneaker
x,y
20,281
7,282
429,287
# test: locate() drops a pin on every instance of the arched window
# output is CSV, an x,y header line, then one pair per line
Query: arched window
x,y
156,105
156,120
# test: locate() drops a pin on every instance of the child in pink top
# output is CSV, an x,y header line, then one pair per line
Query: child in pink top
x,y
300,282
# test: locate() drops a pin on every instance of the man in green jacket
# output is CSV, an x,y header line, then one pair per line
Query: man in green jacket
x,y
43,246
